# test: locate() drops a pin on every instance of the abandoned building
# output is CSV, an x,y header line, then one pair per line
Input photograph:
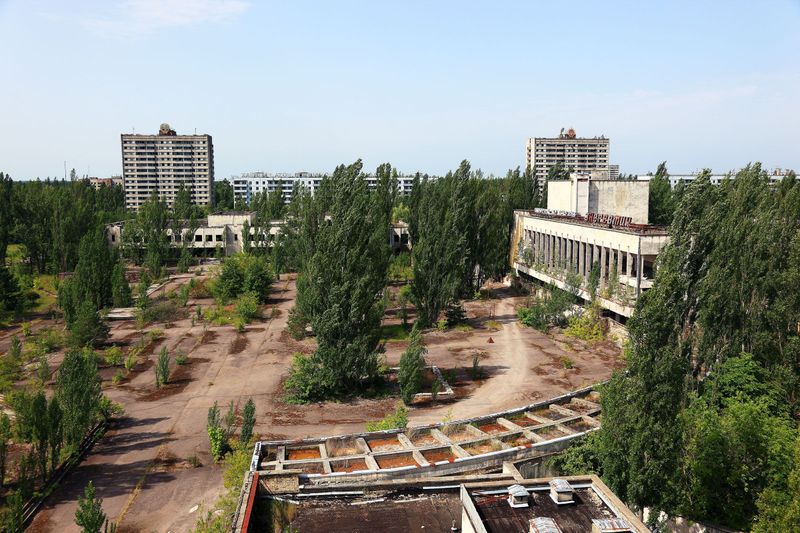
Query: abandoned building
x,y
224,231
590,222
476,475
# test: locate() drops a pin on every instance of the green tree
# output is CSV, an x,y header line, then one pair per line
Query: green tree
x,y
223,195
13,516
5,435
89,515
55,431
248,421
87,327
11,300
412,366
340,286
7,214
40,426
661,203
78,393
120,289
438,251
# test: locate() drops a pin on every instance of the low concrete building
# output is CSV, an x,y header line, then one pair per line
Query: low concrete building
x,y
221,230
590,222
225,231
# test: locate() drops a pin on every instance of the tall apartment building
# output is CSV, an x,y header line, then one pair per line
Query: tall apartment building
x,y
578,154
247,185
163,163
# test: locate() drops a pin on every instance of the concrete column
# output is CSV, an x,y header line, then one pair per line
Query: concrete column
x,y
629,265
581,257
603,269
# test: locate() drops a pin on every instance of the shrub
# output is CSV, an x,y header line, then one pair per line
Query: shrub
x,y
567,362
219,444
160,311
49,340
455,314
476,371
243,273
396,420
494,325
442,325
113,356
247,306
412,364
199,289
435,388
118,377
155,334
296,324
248,421
304,383
180,358
130,361
162,368
588,326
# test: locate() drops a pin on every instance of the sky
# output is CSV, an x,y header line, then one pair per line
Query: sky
x,y
306,85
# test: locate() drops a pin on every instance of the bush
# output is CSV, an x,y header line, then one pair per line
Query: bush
x,y
113,356
304,383
476,371
442,325
296,324
396,420
161,311
118,377
567,363
162,368
588,326
244,273
180,358
247,306
455,314
130,361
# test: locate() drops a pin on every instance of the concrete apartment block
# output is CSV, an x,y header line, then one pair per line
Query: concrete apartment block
x,y
164,162
579,154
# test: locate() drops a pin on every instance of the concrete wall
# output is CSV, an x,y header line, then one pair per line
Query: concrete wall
x,y
559,195
626,198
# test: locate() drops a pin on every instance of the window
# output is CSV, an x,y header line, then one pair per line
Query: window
x,y
235,236
219,238
208,238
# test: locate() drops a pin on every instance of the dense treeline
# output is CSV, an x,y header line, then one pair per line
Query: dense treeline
x,y
50,217
460,227
703,422
337,240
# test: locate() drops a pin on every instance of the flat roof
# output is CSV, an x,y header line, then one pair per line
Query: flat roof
x,y
395,513
498,516
648,230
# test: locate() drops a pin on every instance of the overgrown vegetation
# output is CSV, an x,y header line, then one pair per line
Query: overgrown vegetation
x,y
412,366
395,420
708,403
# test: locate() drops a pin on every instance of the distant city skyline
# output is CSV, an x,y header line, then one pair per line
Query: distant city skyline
x,y
305,86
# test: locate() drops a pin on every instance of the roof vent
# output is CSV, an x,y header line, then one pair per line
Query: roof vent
x,y
543,524
517,496
610,525
561,491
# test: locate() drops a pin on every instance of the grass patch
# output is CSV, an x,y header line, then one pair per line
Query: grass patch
x,y
394,332
463,327
494,325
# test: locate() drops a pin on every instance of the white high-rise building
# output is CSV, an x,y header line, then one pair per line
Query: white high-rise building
x,y
247,185
163,163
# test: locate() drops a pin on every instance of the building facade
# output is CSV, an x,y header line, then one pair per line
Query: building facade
x,y
579,154
580,229
165,162
247,185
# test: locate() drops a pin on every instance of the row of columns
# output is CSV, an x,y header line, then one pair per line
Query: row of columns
x,y
555,251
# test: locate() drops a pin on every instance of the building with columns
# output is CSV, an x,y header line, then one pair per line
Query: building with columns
x,y
590,222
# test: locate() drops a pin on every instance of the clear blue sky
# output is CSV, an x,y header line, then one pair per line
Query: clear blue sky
x,y
301,85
